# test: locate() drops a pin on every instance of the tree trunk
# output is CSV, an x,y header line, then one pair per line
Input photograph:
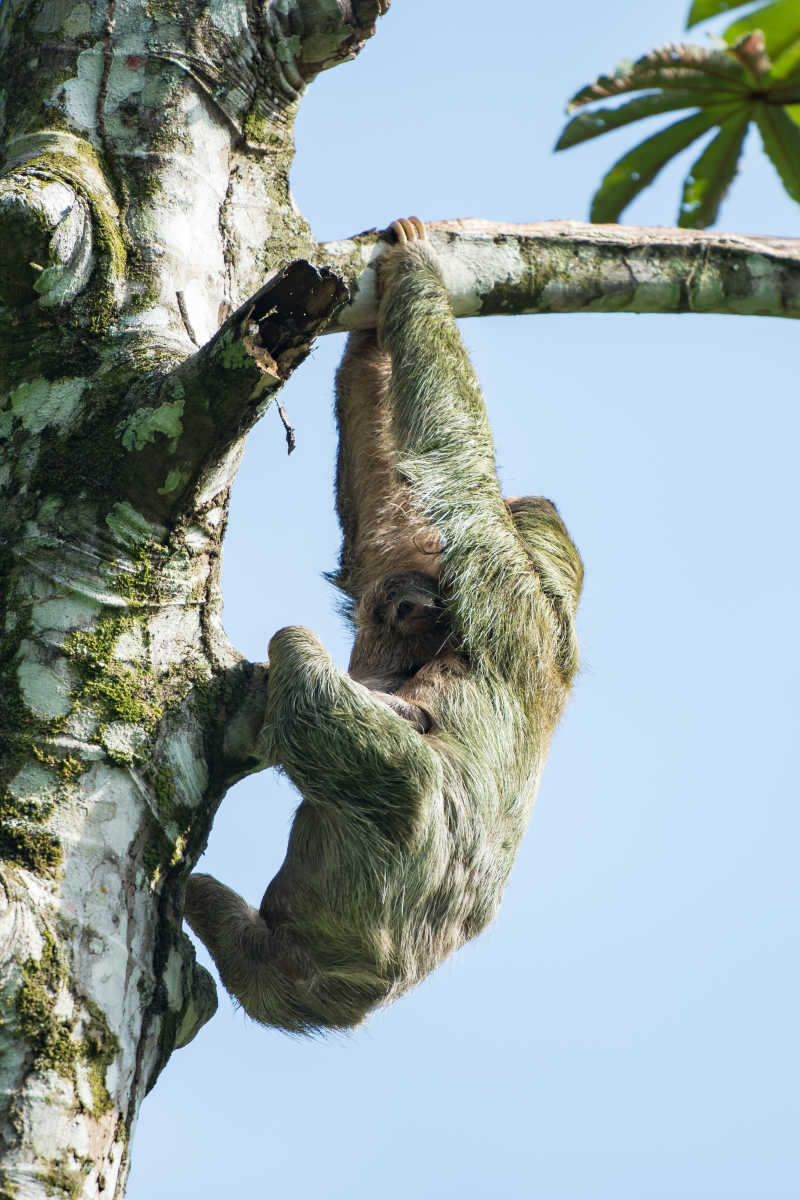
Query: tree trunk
x,y
144,201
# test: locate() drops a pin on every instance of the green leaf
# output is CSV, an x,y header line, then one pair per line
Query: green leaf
x,y
780,24
673,67
712,174
636,169
757,76
781,138
701,10
603,120
785,66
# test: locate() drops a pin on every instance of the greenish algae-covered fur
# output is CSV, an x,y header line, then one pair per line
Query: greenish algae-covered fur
x,y
419,768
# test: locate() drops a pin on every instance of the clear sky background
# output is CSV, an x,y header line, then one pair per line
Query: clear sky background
x,y
627,1028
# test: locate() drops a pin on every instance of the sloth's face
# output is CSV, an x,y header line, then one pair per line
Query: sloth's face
x,y
410,604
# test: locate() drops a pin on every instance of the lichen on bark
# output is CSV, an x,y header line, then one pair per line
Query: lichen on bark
x,y
136,351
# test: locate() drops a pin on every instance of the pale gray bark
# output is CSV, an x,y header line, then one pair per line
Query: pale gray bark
x,y
144,201
494,267
157,285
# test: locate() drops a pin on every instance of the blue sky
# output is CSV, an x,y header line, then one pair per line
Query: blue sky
x,y
627,1027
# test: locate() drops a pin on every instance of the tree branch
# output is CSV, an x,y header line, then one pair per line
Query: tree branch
x,y
186,421
493,267
306,39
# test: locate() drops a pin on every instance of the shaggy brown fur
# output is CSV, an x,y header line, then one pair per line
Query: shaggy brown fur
x,y
418,769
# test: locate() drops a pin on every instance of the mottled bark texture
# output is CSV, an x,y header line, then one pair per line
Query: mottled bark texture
x,y
155,290
157,284
493,267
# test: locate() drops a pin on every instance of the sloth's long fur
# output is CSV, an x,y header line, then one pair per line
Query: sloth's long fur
x,y
418,769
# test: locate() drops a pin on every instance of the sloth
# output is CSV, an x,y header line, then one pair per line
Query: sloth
x,y
418,767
